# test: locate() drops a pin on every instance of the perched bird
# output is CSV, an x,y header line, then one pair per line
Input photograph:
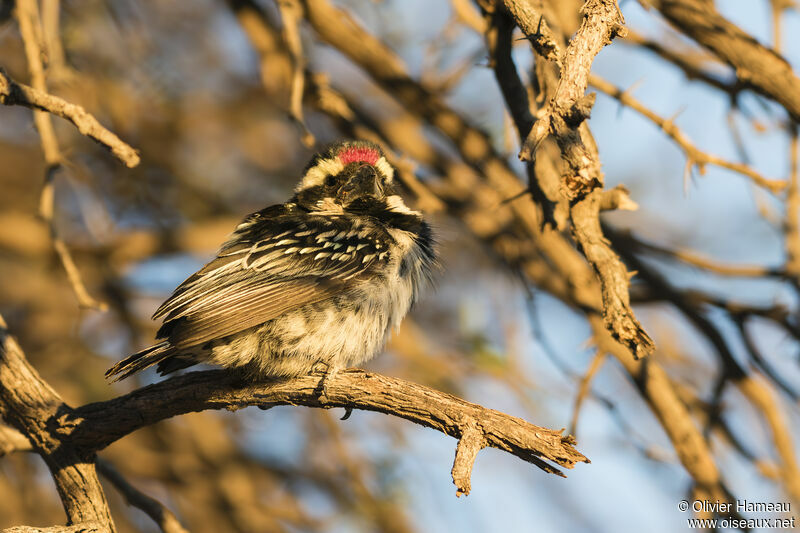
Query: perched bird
x,y
319,280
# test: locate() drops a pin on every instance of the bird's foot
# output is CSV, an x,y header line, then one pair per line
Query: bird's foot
x,y
328,373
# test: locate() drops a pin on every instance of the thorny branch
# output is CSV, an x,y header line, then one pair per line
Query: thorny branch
x,y
694,156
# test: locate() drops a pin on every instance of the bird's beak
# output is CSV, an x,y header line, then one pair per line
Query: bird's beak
x,y
365,182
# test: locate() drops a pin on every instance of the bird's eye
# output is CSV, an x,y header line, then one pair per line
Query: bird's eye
x,y
330,180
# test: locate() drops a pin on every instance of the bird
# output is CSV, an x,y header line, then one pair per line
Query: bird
x,y
314,284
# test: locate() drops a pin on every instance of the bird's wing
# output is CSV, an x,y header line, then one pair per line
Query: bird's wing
x,y
275,262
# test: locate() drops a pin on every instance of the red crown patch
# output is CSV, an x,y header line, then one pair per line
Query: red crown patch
x,y
359,153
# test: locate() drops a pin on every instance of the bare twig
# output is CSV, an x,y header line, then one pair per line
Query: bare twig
x,y
465,11
43,105
534,26
762,397
163,517
692,66
291,13
694,155
792,221
584,387
587,202
614,276
469,445
694,259
658,391
14,93
51,37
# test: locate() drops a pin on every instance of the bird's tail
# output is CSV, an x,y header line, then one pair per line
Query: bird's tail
x,y
140,360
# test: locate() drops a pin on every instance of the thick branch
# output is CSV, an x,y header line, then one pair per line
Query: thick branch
x,y
13,93
570,105
757,67
30,405
97,425
586,206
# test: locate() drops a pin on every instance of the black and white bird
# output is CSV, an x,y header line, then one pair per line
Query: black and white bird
x,y
320,279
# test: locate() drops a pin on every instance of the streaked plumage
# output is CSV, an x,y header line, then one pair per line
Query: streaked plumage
x,y
321,278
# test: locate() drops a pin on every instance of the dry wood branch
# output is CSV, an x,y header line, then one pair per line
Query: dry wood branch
x,y
46,210
534,26
465,12
694,259
694,155
498,36
291,13
585,209
762,397
660,394
467,449
693,67
584,387
14,93
275,63
778,6
30,28
759,68
163,517
97,425
614,277
792,221
31,406
569,106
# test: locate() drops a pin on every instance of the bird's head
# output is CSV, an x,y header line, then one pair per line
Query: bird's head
x,y
352,176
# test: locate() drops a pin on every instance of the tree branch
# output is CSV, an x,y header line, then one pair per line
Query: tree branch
x,y
570,105
694,155
534,26
158,512
31,406
759,68
14,93
563,117
95,426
